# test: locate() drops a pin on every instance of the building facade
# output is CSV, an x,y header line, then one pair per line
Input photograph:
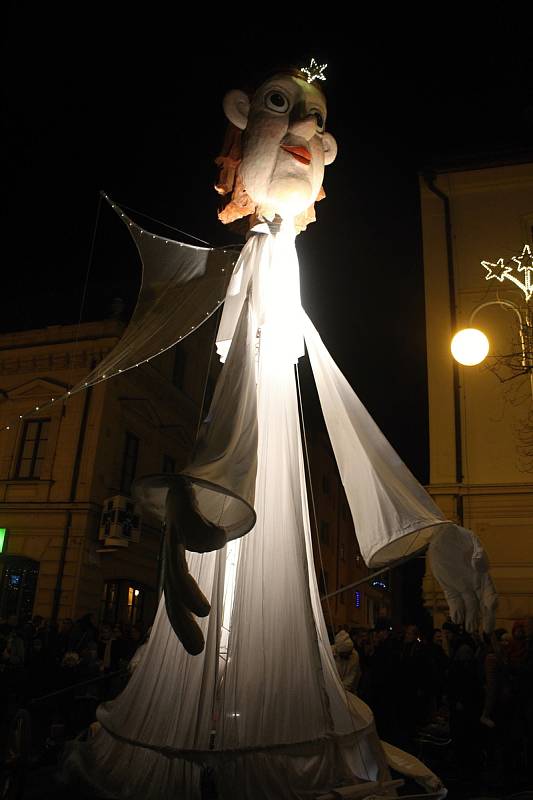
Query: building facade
x,y
65,463
64,460
338,560
480,420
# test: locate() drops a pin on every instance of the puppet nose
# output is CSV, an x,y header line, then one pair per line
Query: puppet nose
x,y
305,127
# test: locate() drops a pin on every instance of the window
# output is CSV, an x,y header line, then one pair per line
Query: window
x,y
135,603
178,369
324,532
17,588
32,448
169,464
122,601
129,463
110,602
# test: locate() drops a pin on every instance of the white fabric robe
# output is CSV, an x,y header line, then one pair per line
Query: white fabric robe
x,y
262,704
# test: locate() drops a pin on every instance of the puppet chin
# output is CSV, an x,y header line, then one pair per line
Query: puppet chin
x,y
289,196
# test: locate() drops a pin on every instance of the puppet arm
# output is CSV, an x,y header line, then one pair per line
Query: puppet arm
x,y
459,563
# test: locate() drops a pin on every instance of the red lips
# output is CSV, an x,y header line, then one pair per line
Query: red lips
x,y
301,154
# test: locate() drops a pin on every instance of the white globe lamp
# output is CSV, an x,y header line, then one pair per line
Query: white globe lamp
x,y
470,346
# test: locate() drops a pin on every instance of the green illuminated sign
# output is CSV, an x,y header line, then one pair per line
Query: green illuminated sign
x,y
3,532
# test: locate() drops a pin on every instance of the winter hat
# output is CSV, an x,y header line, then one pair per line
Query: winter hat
x,y
343,643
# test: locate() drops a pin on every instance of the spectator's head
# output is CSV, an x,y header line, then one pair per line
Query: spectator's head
x,y
89,654
437,637
519,629
411,634
70,659
87,621
343,644
505,639
451,631
383,629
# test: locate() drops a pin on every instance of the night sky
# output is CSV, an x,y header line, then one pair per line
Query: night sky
x,y
130,102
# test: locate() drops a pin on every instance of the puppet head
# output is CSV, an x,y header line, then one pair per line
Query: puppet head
x,y
275,150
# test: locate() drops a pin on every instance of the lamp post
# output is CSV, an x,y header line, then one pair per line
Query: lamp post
x,y
470,346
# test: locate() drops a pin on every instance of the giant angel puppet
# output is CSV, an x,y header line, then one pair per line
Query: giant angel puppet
x,y
238,677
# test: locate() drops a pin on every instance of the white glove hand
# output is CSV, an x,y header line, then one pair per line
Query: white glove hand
x,y
459,563
186,530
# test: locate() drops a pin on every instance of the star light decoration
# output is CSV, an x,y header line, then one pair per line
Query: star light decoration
x,y
314,72
501,271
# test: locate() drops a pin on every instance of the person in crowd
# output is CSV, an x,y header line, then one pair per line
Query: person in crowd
x,y
517,648
518,706
414,684
347,661
525,676
38,669
61,644
135,661
132,641
14,652
381,687
465,697
105,644
437,662
83,633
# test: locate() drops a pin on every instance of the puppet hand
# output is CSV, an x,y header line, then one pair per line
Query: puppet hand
x,y
183,597
460,565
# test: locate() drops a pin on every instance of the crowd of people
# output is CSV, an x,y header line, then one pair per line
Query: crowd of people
x,y
63,671
473,693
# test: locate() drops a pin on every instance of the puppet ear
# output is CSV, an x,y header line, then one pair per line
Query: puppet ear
x,y
237,107
330,149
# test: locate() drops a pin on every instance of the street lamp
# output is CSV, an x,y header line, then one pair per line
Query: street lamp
x,y
470,346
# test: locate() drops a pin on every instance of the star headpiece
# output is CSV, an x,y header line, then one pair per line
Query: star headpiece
x,y
314,72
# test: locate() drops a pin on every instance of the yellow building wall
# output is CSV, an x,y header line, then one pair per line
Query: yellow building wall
x,y
491,217
37,365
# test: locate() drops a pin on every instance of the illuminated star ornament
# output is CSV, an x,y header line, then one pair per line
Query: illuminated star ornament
x,y
499,270
502,271
314,72
527,266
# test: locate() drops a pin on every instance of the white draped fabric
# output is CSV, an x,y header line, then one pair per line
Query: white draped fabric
x,y
182,286
393,514
262,705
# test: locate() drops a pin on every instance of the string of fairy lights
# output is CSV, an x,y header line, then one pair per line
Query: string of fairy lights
x,y
313,72
115,370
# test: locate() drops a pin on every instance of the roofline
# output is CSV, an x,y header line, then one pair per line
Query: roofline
x,y
471,162
62,334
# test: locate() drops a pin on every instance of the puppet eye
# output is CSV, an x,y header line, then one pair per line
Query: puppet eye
x,y
320,121
276,101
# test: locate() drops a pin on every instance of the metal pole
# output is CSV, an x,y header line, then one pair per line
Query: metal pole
x,y
400,561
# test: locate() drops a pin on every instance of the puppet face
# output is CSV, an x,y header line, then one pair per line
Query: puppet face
x,y
285,146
